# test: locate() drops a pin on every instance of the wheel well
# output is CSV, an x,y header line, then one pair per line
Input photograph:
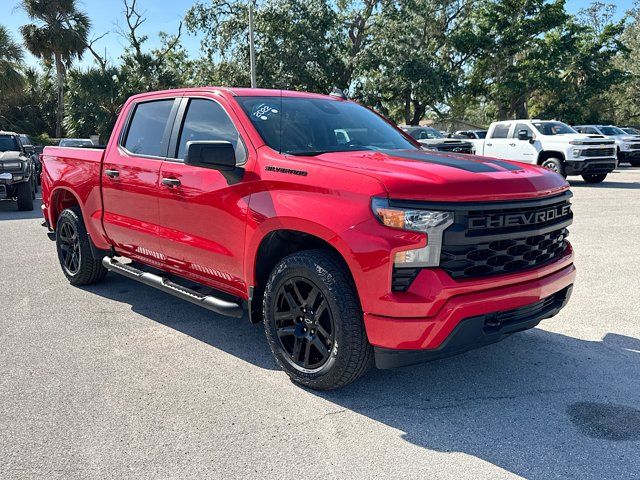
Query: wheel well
x,y
547,155
273,248
61,200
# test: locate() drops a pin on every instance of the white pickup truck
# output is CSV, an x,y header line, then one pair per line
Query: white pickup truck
x,y
554,145
628,145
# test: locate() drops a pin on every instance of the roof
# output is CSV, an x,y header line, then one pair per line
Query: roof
x,y
2,132
238,92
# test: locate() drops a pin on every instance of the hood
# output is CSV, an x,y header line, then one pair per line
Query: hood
x,y
626,137
581,137
10,155
433,176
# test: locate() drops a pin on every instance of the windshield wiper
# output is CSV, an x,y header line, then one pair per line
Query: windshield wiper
x,y
308,153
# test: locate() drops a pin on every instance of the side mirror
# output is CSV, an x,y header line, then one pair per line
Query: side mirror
x,y
217,155
30,149
524,135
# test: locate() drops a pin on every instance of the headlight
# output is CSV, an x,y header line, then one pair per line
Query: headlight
x,y
17,178
12,165
625,146
431,222
576,152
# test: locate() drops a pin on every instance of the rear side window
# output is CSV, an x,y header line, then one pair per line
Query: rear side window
x,y
147,128
501,130
206,120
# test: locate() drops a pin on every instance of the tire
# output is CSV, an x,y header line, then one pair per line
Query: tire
x,y
24,193
74,250
634,162
555,165
594,178
336,324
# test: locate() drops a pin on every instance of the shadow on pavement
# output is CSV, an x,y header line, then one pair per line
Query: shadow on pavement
x,y
539,404
605,184
9,210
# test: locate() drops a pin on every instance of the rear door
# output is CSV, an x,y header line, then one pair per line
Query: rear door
x,y
497,142
203,211
130,179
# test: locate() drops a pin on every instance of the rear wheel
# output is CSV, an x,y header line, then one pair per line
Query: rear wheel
x,y
313,321
555,165
74,250
594,178
24,193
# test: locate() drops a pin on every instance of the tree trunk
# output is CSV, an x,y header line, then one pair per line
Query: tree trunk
x,y
60,106
503,111
407,107
418,112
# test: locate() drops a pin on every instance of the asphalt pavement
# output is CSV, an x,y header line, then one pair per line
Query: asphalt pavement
x,y
118,380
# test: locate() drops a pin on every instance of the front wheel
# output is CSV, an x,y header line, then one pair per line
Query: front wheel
x,y
555,165
74,251
594,178
313,321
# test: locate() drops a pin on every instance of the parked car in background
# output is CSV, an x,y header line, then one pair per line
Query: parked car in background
x,y
75,142
476,137
34,150
631,130
627,146
318,218
553,145
17,171
432,139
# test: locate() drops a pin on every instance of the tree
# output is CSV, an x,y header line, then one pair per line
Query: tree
x,y
512,57
299,43
59,33
415,61
11,81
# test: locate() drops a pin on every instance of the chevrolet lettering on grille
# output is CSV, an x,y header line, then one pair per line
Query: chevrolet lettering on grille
x,y
519,219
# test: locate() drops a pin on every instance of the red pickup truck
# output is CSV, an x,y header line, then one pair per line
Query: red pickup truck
x,y
318,217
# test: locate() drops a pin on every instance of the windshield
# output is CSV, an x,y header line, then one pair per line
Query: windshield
x,y
75,142
311,126
632,131
424,133
553,128
8,144
611,131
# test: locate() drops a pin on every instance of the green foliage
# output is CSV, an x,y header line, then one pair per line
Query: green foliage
x,y
11,81
473,60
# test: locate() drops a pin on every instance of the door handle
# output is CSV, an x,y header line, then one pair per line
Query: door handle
x,y
512,144
171,182
489,144
112,173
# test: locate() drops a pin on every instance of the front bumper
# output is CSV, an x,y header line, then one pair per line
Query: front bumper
x,y
628,155
449,302
590,166
478,331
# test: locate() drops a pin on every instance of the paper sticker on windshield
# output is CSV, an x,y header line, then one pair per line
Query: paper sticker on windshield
x,y
264,111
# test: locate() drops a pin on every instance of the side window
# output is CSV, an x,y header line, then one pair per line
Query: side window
x,y
521,126
501,130
207,120
147,128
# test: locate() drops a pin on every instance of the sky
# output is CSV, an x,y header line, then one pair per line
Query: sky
x,y
162,15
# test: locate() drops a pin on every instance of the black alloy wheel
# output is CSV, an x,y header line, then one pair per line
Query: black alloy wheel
x,y
304,323
69,243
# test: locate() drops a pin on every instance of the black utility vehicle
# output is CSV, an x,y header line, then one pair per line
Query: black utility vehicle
x,y
432,139
17,171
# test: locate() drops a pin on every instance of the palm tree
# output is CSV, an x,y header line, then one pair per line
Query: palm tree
x,y
11,80
59,32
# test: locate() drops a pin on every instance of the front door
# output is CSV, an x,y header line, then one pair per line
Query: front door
x,y
130,180
523,150
203,212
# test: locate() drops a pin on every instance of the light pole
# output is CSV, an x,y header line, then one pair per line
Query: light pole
x,y
252,47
